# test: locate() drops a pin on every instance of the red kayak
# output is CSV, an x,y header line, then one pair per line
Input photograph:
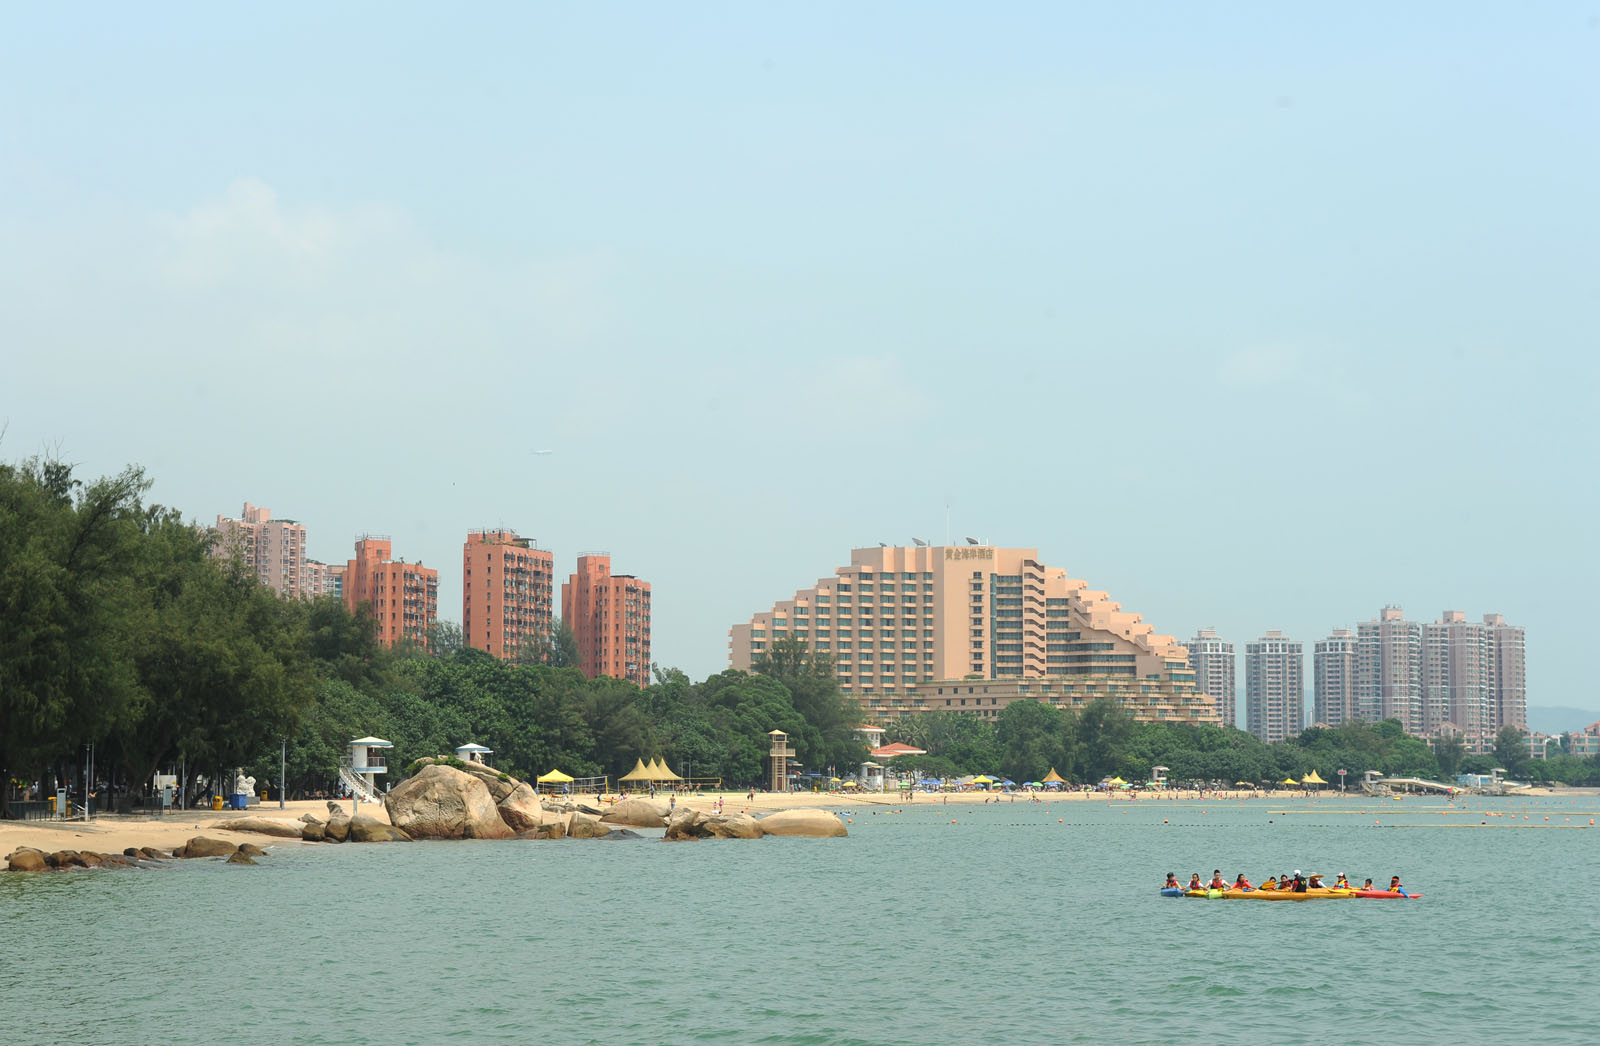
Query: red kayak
x,y
1386,894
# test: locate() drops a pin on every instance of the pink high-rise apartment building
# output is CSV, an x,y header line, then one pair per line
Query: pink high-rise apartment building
x,y
507,595
272,549
403,598
908,628
609,615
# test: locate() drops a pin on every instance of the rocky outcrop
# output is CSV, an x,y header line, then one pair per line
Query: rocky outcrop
x,y
239,857
262,826
150,853
364,828
500,784
251,850
638,813
204,846
27,859
310,819
338,827
441,802
62,859
521,810
313,832
583,826
89,860
814,824
733,826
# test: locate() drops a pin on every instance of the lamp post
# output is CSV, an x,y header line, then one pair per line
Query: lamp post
x,y
1341,780
283,763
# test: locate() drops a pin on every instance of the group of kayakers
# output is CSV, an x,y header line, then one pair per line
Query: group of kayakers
x,y
1291,883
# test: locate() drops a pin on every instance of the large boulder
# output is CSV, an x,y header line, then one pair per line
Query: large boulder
x,y
441,802
733,826
251,850
27,859
89,860
338,827
500,784
61,858
262,825
239,857
310,819
814,824
150,853
364,828
204,846
521,810
638,813
585,827
313,832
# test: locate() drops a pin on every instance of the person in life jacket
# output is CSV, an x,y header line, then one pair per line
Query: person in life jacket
x,y
1269,883
1172,881
1341,883
1283,881
1315,883
1367,885
1299,882
1242,883
1217,881
1195,883
1395,887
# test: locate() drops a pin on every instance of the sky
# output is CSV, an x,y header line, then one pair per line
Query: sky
x,y
1255,316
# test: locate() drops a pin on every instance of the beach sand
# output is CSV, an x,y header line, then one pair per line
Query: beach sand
x,y
113,833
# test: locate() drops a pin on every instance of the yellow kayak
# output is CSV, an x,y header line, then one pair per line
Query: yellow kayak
x,y
1322,894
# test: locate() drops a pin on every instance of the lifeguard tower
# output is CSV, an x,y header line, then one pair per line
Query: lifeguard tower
x,y
360,769
473,753
780,753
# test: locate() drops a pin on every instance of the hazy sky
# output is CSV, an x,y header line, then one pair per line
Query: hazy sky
x,y
1256,316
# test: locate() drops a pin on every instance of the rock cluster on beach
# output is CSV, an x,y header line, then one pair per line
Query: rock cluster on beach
x,y
29,859
451,800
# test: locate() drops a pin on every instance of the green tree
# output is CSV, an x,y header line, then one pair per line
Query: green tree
x,y
1511,749
66,593
1033,737
1449,750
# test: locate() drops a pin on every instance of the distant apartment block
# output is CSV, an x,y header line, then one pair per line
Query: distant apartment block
x,y
1450,676
403,598
1211,661
507,595
272,549
609,615
324,579
1275,699
900,623
1333,684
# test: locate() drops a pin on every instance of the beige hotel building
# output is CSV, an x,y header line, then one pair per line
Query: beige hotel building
x,y
971,628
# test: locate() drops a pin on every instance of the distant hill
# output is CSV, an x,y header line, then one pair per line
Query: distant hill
x,y
1550,719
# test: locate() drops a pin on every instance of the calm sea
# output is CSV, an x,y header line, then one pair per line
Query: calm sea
x,y
1004,927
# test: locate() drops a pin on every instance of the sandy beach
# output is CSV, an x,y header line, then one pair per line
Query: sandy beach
x,y
115,833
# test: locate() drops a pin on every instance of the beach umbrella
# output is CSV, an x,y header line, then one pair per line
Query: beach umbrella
x,y
1008,781
1244,784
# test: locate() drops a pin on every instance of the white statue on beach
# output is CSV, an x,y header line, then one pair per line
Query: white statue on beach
x,y
243,785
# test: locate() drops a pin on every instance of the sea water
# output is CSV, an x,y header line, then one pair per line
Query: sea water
x,y
1007,923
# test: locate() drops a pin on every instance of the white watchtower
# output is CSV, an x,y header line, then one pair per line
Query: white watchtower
x,y
360,769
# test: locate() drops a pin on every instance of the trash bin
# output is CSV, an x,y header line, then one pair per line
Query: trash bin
x,y
216,802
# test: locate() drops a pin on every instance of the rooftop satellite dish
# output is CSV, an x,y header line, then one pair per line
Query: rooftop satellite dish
x,y
972,541
920,543
883,544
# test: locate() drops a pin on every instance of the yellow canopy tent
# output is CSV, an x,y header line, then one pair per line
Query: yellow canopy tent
x,y
653,768
1290,781
983,779
1052,776
1313,778
1118,781
638,773
554,777
666,772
